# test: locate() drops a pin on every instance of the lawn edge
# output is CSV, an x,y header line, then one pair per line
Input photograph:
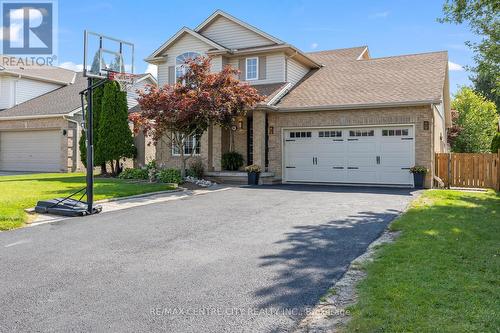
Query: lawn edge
x,y
31,210
332,312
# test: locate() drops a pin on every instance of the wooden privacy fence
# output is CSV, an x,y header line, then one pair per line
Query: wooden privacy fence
x,y
469,170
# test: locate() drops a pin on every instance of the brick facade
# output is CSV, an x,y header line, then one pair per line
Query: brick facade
x,y
424,139
402,115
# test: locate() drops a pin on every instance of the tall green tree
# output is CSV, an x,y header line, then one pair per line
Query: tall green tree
x,y
96,110
115,137
483,17
476,122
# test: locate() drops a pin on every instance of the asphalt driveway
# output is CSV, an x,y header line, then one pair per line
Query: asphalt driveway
x,y
241,260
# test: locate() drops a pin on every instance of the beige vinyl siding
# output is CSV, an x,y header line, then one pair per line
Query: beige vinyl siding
x,y
216,65
186,43
162,74
26,89
132,95
232,35
275,67
295,71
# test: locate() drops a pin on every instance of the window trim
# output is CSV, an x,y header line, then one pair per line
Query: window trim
x,y
256,69
195,142
179,65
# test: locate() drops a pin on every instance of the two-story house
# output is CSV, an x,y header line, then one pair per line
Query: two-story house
x,y
337,116
40,118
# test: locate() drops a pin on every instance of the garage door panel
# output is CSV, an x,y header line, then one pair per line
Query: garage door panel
x,y
334,175
361,176
395,176
351,157
30,150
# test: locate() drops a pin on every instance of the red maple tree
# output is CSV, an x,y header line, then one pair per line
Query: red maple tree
x,y
197,100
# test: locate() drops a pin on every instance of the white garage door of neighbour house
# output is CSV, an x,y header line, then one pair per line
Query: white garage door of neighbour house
x,y
30,150
364,155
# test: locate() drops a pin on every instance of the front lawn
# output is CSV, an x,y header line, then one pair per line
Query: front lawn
x,y
20,192
442,274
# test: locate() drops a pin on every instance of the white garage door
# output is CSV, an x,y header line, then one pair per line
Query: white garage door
x,y
30,150
369,155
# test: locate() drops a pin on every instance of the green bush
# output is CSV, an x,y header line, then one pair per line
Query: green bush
x,y
232,161
495,143
132,173
196,169
170,176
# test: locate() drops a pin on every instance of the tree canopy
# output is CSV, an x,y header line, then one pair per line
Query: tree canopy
x,y
474,124
483,17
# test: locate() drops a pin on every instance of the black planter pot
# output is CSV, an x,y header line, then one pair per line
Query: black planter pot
x,y
418,179
253,178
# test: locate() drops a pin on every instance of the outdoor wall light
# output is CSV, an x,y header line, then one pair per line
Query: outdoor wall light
x,y
426,125
271,129
65,132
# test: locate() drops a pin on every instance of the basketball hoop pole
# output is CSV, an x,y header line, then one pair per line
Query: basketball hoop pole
x,y
90,148
90,141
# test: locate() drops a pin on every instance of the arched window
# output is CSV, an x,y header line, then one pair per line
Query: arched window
x,y
180,62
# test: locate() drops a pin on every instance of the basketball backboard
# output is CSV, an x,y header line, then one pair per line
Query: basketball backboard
x,y
103,54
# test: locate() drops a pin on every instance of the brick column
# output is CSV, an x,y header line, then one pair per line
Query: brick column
x,y
259,138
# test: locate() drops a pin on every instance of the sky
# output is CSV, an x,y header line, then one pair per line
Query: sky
x,y
387,27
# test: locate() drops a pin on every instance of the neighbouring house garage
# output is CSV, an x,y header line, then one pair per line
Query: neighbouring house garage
x,y
355,155
30,150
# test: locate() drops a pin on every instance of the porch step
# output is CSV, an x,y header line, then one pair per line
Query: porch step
x,y
239,177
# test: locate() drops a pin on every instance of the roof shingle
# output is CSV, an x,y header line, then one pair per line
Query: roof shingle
x,y
59,101
346,81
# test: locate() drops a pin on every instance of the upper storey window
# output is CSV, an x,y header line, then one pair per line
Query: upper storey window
x,y
251,70
180,63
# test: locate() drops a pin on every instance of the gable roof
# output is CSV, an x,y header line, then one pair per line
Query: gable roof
x,y
346,83
178,35
58,102
219,12
42,73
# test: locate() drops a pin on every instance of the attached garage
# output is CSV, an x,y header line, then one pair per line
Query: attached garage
x,y
379,155
30,150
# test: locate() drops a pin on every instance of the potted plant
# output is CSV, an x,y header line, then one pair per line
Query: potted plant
x,y
253,172
418,175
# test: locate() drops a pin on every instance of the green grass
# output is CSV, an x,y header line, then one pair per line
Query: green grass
x,y
20,192
442,274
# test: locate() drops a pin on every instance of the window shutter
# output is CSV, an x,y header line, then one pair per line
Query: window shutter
x,y
242,66
262,68
171,74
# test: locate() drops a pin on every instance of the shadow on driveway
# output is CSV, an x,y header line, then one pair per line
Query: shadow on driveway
x,y
316,255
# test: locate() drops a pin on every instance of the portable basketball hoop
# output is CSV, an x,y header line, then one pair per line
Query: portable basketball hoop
x,y
104,59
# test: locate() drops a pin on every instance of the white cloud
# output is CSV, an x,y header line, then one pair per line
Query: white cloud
x,y
380,14
153,69
455,67
314,46
72,66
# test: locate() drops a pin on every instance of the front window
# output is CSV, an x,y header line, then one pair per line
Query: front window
x,y
180,63
252,68
191,146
